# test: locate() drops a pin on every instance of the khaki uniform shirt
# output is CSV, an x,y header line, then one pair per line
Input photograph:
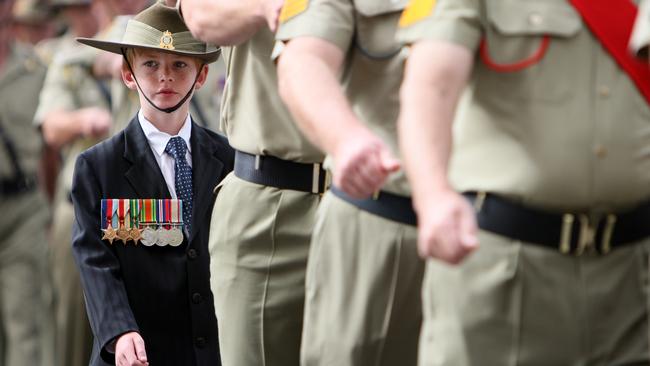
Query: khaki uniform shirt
x,y
20,82
70,85
252,114
569,131
640,40
365,31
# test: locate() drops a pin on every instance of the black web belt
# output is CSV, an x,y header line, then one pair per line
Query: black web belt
x,y
20,183
570,233
387,205
271,171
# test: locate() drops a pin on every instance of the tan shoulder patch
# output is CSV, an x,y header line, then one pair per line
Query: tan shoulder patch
x,y
415,11
292,8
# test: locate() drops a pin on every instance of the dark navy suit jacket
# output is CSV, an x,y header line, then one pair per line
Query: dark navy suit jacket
x,y
161,292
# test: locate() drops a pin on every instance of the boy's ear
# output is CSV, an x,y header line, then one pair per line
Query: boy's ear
x,y
203,75
127,77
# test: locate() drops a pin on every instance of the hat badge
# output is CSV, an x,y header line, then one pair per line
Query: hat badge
x,y
167,41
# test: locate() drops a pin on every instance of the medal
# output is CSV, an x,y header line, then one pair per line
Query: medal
x,y
176,232
136,232
123,233
148,218
107,219
163,216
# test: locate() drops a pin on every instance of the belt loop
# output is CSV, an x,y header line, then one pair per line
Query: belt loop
x,y
587,234
565,235
375,195
257,162
606,246
315,179
479,201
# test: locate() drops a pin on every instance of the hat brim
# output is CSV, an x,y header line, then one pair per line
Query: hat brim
x,y
117,47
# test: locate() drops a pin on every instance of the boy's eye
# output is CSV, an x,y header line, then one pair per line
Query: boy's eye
x,y
150,63
180,64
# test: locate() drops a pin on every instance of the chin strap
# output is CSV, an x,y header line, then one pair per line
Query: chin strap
x,y
166,110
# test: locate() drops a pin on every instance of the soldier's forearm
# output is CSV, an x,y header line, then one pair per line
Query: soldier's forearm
x,y
429,96
223,22
309,86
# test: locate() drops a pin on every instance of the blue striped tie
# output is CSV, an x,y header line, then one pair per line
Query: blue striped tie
x,y
183,177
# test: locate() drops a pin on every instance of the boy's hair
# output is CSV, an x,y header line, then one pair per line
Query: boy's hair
x,y
131,52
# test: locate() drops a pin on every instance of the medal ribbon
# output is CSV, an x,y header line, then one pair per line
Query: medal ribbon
x,y
174,205
114,218
121,214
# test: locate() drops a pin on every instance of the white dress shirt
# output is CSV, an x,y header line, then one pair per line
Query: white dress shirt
x,y
158,141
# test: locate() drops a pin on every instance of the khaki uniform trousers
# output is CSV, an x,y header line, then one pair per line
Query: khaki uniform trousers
x,y
73,334
259,242
513,303
364,278
26,318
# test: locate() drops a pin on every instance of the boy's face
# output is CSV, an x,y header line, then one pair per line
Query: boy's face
x,y
165,78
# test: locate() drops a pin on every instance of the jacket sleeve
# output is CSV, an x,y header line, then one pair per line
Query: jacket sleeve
x,y
106,301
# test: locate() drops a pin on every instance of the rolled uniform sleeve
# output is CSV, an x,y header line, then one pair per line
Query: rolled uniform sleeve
x,y
55,94
640,40
332,20
456,21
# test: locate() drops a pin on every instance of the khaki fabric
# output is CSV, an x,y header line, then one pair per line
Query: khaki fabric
x,y
364,30
363,290
514,303
259,241
554,132
640,40
252,114
363,301
69,85
26,318
569,132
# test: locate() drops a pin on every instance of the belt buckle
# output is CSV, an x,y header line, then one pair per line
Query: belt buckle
x,y
587,234
315,181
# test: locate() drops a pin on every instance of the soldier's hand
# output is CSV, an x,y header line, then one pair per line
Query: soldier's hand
x,y
362,164
447,227
129,350
272,9
96,121
108,65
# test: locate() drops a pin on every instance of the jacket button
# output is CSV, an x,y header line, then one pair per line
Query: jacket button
x,y
196,297
192,254
200,342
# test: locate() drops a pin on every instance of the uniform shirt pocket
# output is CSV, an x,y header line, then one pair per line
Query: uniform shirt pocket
x,y
526,44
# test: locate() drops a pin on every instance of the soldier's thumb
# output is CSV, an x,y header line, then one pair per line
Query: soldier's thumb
x,y
388,162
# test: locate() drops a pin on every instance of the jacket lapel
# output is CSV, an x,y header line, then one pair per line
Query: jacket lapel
x,y
206,170
144,174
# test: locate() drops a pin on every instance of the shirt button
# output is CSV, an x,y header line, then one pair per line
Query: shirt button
x,y
535,19
200,342
604,91
192,254
196,298
600,151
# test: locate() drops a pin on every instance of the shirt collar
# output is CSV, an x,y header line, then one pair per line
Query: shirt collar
x,y
158,140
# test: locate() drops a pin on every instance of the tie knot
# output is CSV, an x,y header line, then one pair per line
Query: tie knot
x,y
176,147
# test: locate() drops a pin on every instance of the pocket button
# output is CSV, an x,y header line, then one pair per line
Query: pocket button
x,y
535,19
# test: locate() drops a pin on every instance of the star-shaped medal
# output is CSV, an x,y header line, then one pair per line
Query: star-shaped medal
x,y
136,235
109,234
123,234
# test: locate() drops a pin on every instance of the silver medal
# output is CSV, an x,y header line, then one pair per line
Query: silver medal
x,y
149,236
175,236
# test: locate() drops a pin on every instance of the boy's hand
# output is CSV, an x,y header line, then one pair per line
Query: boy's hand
x,y
129,350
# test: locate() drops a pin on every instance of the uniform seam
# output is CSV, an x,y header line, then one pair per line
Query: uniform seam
x,y
267,279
